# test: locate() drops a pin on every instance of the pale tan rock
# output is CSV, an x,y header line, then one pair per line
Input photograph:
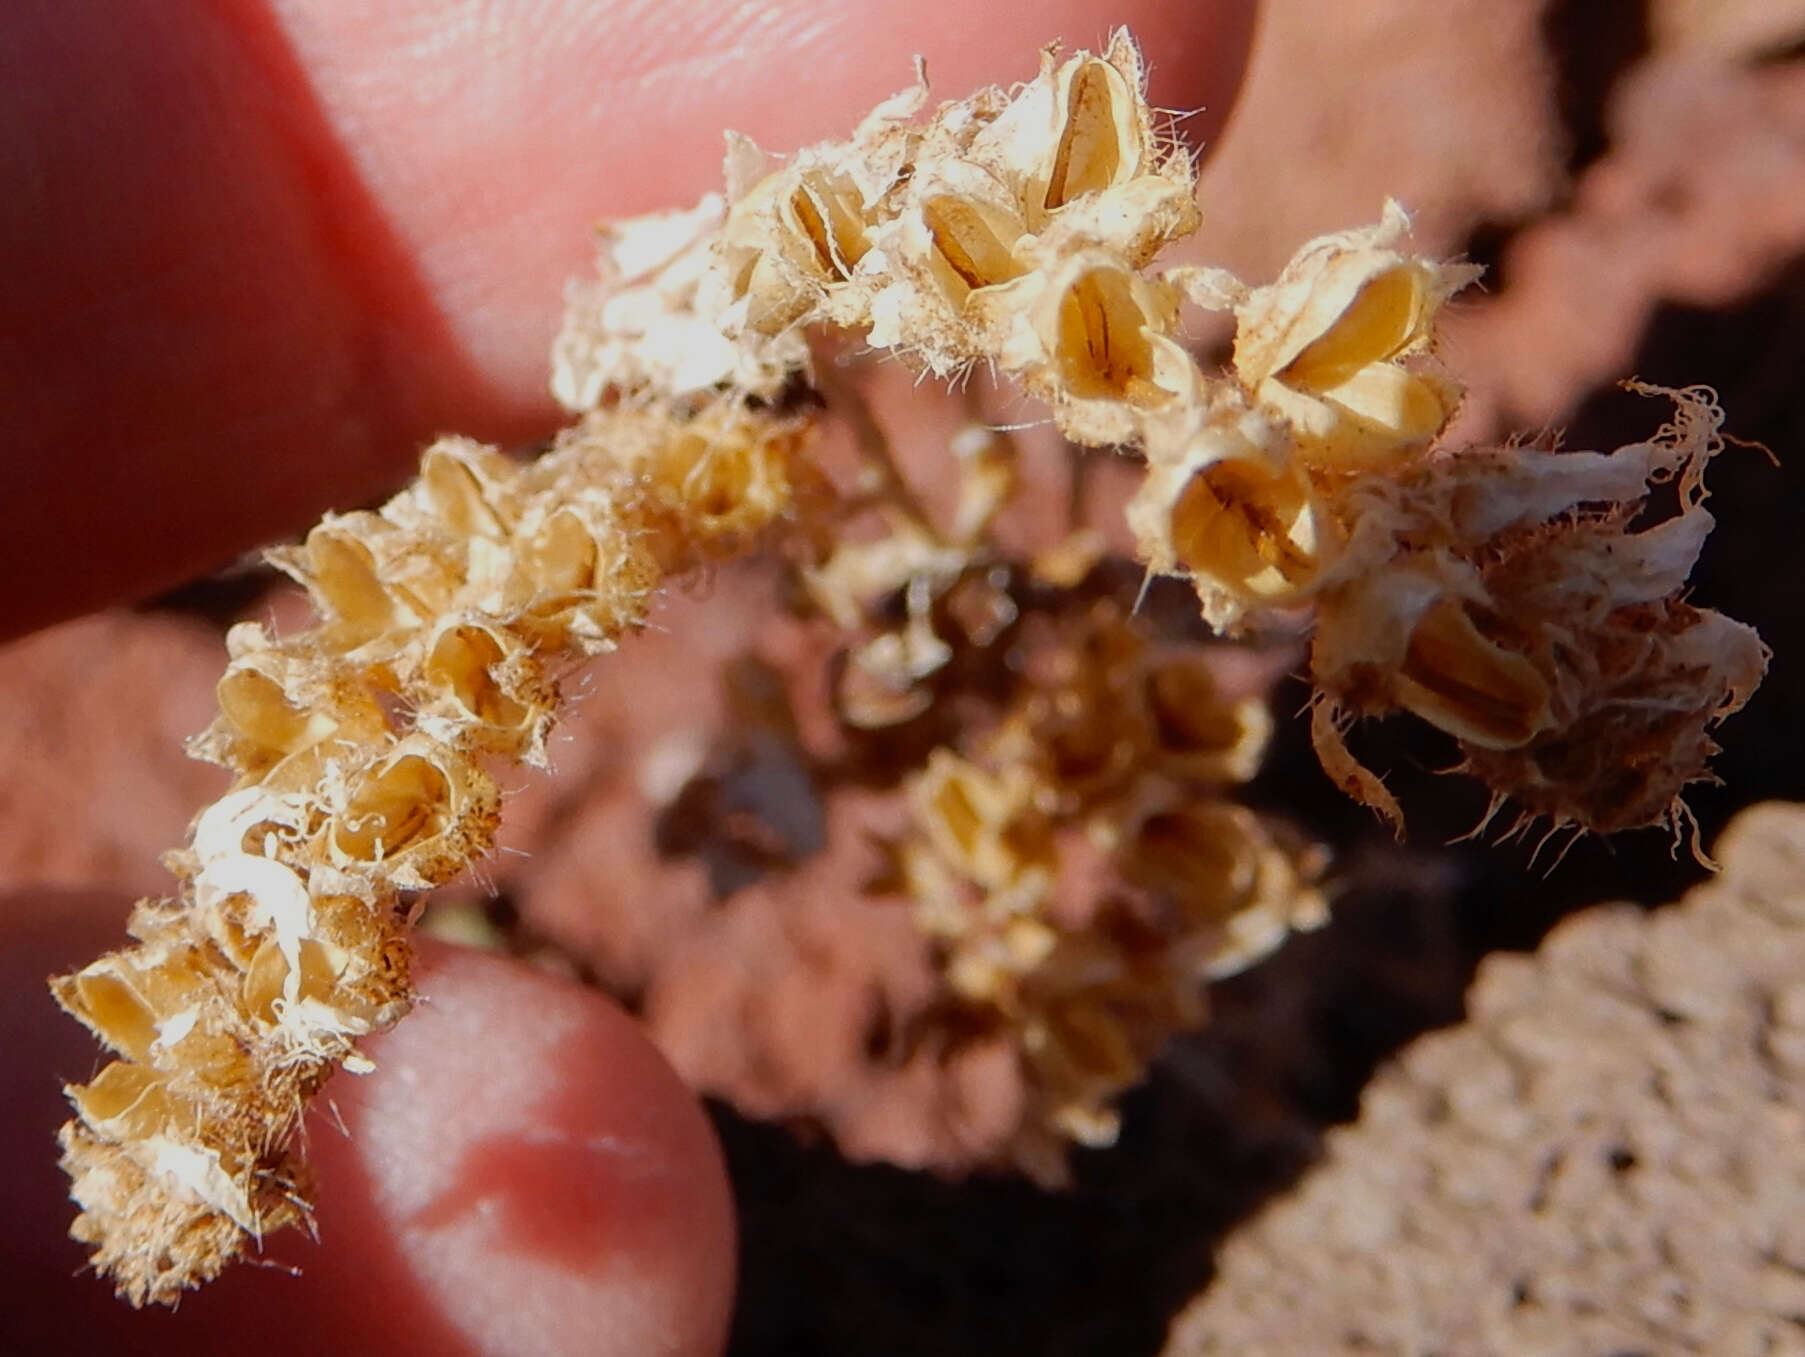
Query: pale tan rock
x,y
1606,1156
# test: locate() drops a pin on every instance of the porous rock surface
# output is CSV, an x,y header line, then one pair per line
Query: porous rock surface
x,y
1606,1157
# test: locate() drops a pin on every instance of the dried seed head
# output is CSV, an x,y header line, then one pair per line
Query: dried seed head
x,y
981,823
1457,679
1079,879
1636,721
416,815
1325,346
1198,734
1230,510
1092,338
165,1241
1512,597
1537,619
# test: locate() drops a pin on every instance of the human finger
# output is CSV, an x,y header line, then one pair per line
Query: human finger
x,y
522,1174
259,251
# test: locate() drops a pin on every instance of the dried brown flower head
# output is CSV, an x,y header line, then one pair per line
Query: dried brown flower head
x,y
1509,596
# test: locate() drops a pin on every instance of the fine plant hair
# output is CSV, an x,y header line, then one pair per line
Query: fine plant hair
x,y
1523,599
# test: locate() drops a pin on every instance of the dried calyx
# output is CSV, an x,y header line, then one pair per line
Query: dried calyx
x,y
360,751
1513,597
1112,765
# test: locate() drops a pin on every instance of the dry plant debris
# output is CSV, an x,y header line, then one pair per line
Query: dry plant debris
x,y
1692,204
1525,600
1451,108
1605,1157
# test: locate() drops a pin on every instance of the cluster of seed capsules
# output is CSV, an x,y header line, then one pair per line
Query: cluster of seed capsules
x,y
1511,596
1082,872
361,752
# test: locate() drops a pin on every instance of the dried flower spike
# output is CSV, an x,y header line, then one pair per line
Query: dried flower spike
x,y
1509,596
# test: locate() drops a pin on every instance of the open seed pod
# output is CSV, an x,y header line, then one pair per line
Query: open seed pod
x,y
342,574
489,689
467,492
1093,338
983,824
580,572
953,241
136,1007
416,814
1080,126
1197,734
272,709
1329,345
1224,504
1080,133
790,247
1410,637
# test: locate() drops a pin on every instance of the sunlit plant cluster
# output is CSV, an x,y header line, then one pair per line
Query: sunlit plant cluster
x,y
1522,599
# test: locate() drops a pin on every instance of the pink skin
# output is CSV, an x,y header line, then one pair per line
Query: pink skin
x,y
256,252
522,1174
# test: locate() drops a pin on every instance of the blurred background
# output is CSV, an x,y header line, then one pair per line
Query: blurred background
x,y
1632,175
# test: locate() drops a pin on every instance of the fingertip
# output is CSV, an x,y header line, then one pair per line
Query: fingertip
x,y
523,1173
529,124
550,1183
273,246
